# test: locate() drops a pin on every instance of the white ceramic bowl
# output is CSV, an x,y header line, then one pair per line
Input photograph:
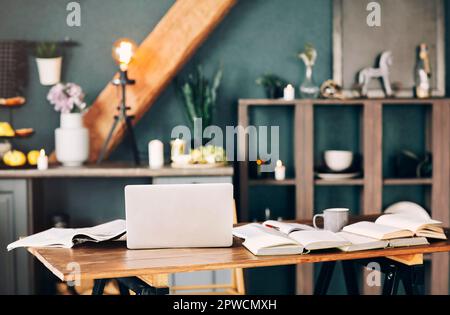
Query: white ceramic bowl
x,y
338,160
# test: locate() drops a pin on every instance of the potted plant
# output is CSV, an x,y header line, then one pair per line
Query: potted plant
x,y
49,62
199,95
273,85
71,139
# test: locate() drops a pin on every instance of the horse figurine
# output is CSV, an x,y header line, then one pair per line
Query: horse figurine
x,y
382,72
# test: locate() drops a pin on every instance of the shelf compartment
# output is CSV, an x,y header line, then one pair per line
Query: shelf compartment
x,y
407,181
271,182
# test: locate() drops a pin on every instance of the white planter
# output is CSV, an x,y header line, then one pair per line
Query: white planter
x,y
49,70
72,141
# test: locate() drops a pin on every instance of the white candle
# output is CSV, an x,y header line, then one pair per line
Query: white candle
x,y
289,93
177,148
42,162
280,171
156,154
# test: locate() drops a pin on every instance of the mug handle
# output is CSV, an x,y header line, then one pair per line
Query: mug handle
x,y
314,219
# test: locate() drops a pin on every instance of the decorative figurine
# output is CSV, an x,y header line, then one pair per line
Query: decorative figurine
x,y
331,90
382,72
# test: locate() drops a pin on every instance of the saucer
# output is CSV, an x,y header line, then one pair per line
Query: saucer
x,y
337,176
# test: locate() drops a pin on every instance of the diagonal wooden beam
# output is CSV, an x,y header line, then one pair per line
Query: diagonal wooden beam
x,y
159,57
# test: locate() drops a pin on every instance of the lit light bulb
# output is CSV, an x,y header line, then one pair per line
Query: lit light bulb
x,y
123,52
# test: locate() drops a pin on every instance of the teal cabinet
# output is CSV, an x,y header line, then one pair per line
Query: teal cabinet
x,y
15,266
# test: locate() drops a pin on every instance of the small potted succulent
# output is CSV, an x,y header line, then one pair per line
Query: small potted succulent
x,y
71,139
49,62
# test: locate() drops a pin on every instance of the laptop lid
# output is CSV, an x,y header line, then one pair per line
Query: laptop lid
x,y
169,216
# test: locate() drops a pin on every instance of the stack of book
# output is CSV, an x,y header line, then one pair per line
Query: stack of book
x,y
389,230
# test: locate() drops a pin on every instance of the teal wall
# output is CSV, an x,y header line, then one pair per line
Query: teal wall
x,y
258,36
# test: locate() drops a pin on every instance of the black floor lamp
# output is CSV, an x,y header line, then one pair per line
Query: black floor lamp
x,y
123,52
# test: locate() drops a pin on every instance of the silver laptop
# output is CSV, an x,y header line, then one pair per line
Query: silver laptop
x,y
168,216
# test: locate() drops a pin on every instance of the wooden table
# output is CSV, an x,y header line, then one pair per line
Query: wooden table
x,y
114,260
23,208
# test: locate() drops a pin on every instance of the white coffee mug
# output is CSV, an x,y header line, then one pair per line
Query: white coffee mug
x,y
334,219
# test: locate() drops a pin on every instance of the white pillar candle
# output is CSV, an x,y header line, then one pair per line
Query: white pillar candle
x,y
289,93
177,148
280,171
156,154
42,162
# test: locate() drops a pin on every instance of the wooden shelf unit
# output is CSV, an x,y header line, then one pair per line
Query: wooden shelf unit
x,y
437,134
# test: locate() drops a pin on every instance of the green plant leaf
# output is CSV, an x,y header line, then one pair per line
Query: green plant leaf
x,y
189,102
199,95
215,85
207,105
48,50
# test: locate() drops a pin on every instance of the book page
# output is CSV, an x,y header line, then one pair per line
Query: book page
x,y
408,241
318,239
358,239
268,240
287,228
66,238
248,230
261,240
402,221
103,232
50,238
374,230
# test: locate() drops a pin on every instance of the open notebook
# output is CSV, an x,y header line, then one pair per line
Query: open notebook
x,y
393,226
67,238
279,238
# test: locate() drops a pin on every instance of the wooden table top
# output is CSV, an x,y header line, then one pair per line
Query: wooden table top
x,y
110,260
110,170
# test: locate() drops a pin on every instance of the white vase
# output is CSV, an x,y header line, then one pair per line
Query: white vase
x,y
72,141
49,70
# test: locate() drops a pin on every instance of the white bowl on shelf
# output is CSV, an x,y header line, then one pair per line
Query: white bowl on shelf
x,y
338,161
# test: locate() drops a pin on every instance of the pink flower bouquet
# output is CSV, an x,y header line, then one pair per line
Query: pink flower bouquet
x,y
67,98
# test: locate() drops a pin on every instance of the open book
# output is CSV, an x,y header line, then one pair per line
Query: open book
x,y
260,239
359,242
392,226
67,238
